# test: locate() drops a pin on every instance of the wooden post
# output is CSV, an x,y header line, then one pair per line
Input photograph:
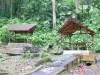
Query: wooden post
x,y
70,41
27,38
15,36
87,39
9,38
60,40
93,41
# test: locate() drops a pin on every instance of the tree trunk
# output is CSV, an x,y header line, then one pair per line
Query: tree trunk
x,y
54,13
82,11
1,4
11,8
77,6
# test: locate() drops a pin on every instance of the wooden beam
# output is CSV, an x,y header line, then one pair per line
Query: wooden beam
x,y
81,33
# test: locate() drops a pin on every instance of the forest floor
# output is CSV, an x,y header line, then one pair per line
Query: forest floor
x,y
17,65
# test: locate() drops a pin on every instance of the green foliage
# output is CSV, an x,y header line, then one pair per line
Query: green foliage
x,y
39,8
40,12
30,55
44,36
42,9
40,62
36,54
3,21
1,55
5,35
64,9
47,59
44,60
43,54
93,23
56,50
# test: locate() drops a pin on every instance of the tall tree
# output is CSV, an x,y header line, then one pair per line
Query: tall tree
x,y
54,13
77,6
11,8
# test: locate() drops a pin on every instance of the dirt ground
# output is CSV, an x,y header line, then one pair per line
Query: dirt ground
x,y
16,65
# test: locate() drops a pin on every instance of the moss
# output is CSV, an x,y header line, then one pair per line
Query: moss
x,y
35,54
32,55
39,62
47,59
56,52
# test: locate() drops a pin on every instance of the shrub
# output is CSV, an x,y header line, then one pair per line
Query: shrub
x,y
47,59
32,55
1,55
35,54
39,62
5,35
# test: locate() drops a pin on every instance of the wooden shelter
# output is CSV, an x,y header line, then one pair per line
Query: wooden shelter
x,y
21,29
72,26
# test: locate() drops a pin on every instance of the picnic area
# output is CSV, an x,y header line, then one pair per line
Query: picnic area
x,y
49,37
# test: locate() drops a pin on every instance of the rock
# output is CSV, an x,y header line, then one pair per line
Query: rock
x,y
32,49
41,61
57,52
56,64
15,57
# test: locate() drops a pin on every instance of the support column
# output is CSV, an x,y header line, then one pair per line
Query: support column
x,y
61,39
9,37
70,41
93,41
87,39
15,36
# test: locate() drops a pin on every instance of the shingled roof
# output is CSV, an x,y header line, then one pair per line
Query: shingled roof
x,y
72,26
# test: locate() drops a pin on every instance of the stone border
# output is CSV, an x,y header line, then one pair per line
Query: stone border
x,y
65,66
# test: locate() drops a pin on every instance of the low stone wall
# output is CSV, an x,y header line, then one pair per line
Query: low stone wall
x,y
57,70
19,48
